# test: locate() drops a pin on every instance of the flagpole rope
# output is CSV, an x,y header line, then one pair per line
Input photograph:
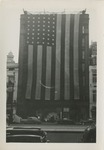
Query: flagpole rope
x,y
48,87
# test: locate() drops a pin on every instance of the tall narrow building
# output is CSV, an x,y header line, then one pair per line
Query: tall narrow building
x,y
53,65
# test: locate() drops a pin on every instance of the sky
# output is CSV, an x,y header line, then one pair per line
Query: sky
x,y
11,11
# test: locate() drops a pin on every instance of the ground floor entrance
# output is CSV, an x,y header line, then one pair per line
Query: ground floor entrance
x,y
52,111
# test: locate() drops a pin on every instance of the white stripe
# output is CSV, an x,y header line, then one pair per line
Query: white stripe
x,y
67,43
39,72
48,73
76,74
58,49
30,71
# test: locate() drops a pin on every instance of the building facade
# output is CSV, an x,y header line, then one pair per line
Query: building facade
x,y
12,77
92,87
93,79
54,65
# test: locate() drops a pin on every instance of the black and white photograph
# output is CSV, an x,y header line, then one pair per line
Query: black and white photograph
x,y
51,54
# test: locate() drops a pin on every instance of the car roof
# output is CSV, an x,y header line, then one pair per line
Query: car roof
x,y
23,138
28,131
23,135
21,128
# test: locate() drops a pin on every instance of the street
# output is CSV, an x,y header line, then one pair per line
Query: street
x,y
60,133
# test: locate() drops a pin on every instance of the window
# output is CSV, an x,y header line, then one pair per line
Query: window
x,y
94,61
83,29
93,70
94,78
11,69
94,95
11,78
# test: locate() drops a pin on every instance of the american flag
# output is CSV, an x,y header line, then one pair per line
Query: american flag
x,y
50,55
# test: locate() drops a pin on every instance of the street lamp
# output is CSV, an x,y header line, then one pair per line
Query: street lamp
x,y
10,90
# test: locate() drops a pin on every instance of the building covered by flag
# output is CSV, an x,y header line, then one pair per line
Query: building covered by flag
x,y
53,65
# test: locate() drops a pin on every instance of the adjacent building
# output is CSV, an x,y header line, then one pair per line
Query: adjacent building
x,y
12,79
93,79
54,65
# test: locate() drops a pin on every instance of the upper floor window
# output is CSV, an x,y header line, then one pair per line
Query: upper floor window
x,y
83,42
83,54
94,77
84,29
94,95
10,69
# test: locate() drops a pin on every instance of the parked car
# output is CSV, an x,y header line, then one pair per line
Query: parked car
x,y
24,138
87,122
31,120
89,135
19,132
66,121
